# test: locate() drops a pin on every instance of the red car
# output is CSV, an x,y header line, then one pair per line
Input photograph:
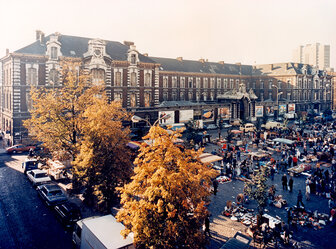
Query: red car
x,y
20,148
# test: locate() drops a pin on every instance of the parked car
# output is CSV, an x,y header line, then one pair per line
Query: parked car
x,y
235,122
68,213
212,127
52,194
19,148
38,177
227,125
29,164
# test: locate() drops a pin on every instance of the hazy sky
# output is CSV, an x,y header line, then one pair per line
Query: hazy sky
x,y
246,31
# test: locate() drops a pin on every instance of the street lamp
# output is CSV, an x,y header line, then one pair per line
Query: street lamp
x,y
137,119
277,99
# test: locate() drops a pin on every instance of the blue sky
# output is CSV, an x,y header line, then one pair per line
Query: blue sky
x,y
246,31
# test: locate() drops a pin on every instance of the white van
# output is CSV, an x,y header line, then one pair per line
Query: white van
x,y
247,127
274,124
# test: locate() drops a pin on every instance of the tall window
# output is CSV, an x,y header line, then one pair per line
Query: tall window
x,y
174,97
133,98
165,96
261,85
212,83
133,79
117,80
262,96
198,83
219,83
205,83
174,82
181,95
117,96
165,82
212,96
198,96
190,96
270,83
190,82
225,84
148,79
53,77
231,83
98,76
32,77
147,97
182,82
53,53
133,59
29,102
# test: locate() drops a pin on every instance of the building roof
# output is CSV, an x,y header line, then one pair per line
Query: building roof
x,y
74,46
190,66
288,68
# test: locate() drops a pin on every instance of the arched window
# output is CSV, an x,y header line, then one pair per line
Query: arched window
x,y
133,79
98,76
53,77
182,83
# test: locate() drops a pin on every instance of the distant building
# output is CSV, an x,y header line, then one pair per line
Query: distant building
x,y
151,86
313,54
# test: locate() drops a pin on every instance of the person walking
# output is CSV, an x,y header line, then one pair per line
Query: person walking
x,y
215,185
207,226
284,182
290,184
307,192
272,173
299,199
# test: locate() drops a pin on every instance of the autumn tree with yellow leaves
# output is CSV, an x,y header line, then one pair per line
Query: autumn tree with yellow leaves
x,y
77,118
164,205
103,162
56,116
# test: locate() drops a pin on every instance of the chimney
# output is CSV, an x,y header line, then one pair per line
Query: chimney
x,y
271,66
201,60
238,63
128,43
287,66
179,58
39,36
221,62
7,51
145,54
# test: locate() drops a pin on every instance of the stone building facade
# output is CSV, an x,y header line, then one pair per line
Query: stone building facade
x,y
150,86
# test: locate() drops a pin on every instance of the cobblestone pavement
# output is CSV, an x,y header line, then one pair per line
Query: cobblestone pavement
x,y
222,228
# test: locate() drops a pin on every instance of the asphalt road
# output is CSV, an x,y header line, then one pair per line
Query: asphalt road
x,y
25,221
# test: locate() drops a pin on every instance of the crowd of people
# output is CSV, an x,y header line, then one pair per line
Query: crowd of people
x,y
311,140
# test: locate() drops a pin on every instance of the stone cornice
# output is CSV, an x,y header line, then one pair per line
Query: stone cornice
x,y
194,74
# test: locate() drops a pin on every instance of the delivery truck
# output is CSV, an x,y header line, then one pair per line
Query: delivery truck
x,y
101,233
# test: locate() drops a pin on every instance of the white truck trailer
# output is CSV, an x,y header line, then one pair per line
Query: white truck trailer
x,y
101,233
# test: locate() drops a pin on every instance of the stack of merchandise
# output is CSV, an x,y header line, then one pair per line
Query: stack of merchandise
x,y
223,179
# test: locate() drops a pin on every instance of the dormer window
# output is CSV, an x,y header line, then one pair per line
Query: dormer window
x,y
133,59
53,53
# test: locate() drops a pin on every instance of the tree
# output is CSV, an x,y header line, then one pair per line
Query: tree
x,y
164,204
103,162
257,188
56,114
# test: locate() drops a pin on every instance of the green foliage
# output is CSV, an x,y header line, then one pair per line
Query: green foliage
x,y
257,188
